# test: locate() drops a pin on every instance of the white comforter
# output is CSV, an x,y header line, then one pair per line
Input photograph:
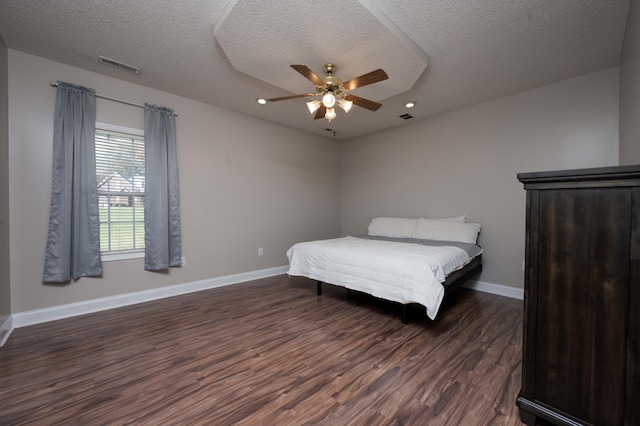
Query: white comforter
x,y
400,272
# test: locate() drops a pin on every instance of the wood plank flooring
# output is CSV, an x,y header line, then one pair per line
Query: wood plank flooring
x,y
269,352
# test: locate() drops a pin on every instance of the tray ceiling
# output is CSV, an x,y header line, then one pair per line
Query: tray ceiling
x,y
441,54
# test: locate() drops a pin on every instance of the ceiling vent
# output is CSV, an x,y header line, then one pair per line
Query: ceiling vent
x,y
118,64
406,116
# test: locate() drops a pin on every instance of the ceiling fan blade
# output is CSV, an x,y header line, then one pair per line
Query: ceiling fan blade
x,y
308,74
320,112
284,98
363,80
362,102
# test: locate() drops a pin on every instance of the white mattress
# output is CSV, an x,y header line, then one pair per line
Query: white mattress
x,y
396,271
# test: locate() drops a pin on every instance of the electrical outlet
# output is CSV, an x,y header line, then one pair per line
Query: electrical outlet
x,y
183,261
260,252
523,265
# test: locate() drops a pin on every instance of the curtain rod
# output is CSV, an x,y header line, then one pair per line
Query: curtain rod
x,y
54,84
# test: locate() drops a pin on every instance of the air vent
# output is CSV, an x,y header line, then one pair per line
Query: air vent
x,y
118,64
406,116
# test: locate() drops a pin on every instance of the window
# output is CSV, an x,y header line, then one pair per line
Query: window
x,y
120,177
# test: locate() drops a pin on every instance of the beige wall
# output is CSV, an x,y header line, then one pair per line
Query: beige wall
x,y
5,288
630,90
245,184
466,161
248,183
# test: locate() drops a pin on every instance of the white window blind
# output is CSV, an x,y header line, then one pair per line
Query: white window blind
x,y
120,177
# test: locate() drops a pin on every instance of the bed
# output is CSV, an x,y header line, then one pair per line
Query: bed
x,y
408,261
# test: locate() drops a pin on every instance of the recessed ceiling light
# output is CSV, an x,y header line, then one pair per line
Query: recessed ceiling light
x,y
262,101
410,104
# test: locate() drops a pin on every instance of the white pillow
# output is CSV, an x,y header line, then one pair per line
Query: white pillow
x,y
462,218
446,230
395,227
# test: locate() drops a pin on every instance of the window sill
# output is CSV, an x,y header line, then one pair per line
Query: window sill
x,y
113,256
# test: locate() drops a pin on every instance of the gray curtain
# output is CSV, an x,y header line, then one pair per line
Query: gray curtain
x,y
162,236
73,242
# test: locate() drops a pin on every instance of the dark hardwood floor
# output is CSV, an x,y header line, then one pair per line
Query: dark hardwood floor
x,y
269,352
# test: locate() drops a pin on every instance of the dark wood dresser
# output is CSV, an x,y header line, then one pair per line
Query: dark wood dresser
x,y
580,356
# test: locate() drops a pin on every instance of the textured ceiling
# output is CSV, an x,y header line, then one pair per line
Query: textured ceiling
x,y
247,34
228,53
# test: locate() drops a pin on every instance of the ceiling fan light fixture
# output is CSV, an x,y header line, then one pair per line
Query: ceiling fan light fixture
x,y
313,105
329,100
330,114
345,104
331,91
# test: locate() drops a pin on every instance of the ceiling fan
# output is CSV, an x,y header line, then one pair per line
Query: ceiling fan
x,y
333,91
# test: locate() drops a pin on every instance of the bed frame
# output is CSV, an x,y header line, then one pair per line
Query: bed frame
x,y
453,281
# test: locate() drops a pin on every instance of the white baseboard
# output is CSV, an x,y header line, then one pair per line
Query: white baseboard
x,y
5,329
23,319
500,290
